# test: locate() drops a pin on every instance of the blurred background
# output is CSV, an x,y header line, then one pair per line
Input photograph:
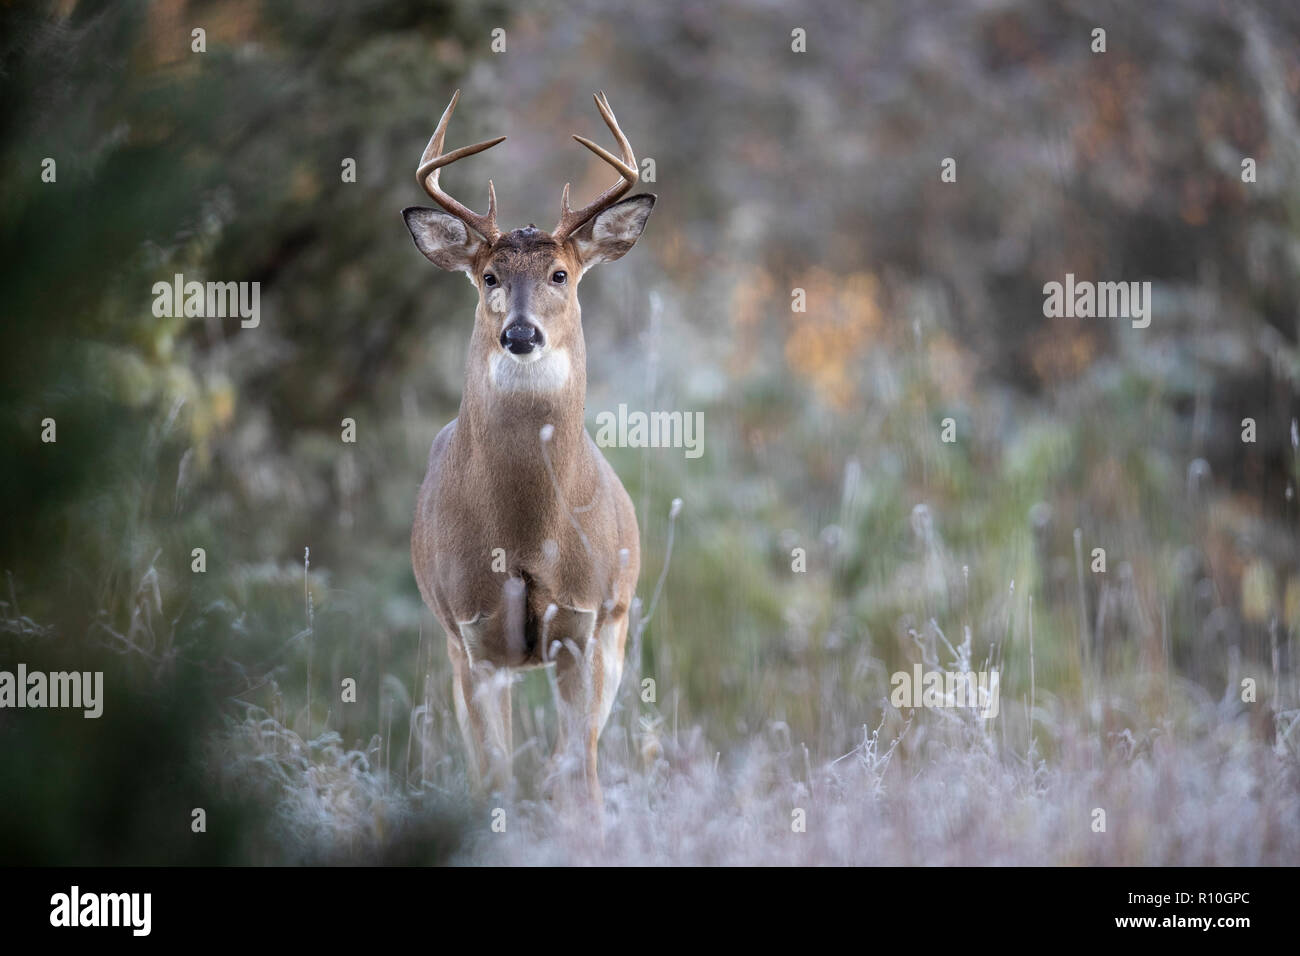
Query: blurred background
x,y
775,170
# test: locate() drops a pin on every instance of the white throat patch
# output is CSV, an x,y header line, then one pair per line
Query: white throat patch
x,y
548,372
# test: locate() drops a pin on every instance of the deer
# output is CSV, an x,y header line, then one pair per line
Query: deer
x,y
525,543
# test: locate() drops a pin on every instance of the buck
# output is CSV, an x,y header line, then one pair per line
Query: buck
x,y
525,544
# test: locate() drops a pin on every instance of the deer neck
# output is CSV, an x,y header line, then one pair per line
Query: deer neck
x,y
504,409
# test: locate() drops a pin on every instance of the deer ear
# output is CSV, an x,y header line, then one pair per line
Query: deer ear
x,y
444,239
611,234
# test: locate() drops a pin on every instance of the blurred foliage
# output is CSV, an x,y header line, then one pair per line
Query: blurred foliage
x,y
775,171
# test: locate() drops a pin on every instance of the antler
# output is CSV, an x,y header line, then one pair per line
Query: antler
x,y
571,220
426,174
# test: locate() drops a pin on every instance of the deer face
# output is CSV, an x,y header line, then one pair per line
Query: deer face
x,y
527,293
527,281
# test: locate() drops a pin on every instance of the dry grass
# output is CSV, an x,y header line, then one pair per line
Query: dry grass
x,y
942,788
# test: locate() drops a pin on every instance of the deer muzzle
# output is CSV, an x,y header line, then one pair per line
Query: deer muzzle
x,y
520,337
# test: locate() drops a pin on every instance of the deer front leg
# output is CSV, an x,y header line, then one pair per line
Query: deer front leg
x,y
482,698
569,636
611,635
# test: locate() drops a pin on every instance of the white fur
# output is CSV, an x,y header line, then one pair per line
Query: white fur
x,y
613,662
545,370
471,635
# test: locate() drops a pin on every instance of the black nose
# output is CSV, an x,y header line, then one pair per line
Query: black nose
x,y
521,337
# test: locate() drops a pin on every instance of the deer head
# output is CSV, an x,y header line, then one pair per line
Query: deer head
x,y
528,322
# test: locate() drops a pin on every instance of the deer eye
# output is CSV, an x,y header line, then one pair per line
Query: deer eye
x,y
558,276
489,279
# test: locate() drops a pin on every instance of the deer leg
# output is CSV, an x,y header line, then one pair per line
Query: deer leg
x,y
492,697
472,728
482,698
568,635
506,728
612,639
579,673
